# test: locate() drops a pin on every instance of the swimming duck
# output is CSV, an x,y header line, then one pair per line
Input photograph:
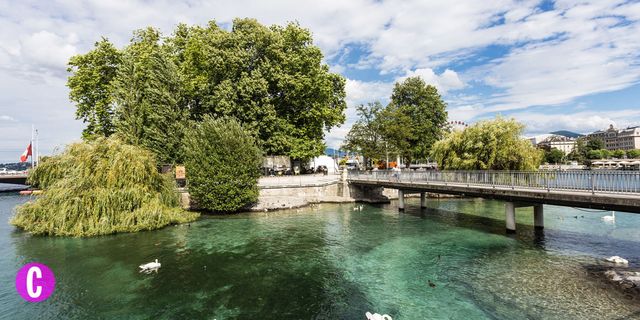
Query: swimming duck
x,y
151,266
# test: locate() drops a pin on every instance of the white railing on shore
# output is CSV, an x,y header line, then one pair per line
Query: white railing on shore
x,y
593,181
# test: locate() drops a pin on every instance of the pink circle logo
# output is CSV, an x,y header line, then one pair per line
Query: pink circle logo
x,y
35,282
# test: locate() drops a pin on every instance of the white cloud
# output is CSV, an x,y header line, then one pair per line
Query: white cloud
x,y
447,80
7,118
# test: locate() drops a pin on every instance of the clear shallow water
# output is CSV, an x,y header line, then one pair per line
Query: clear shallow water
x,y
331,262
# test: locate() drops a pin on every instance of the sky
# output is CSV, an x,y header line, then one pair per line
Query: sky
x,y
553,65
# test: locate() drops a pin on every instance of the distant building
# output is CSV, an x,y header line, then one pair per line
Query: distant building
x,y
623,139
564,144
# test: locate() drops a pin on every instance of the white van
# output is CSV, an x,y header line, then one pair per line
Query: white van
x,y
352,164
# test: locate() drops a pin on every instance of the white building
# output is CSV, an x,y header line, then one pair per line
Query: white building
x,y
623,139
564,144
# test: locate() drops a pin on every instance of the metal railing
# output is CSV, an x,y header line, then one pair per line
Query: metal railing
x,y
592,181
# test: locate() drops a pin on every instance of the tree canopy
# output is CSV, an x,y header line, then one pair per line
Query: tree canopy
x,y
272,79
408,126
417,116
222,162
487,145
365,135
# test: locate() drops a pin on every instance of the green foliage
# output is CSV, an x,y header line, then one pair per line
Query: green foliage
x,y
100,187
618,154
90,87
415,119
579,153
272,79
594,154
594,144
633,154
554,156
365,136
223,165
606,154
146,90
487,145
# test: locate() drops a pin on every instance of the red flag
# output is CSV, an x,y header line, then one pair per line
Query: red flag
x,y
25,155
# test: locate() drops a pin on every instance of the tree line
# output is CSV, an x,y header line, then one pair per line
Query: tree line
x,y
414,126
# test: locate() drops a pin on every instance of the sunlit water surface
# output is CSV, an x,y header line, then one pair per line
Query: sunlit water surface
x,y
331,262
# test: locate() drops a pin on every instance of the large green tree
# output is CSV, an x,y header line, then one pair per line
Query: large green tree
x,y
272,79
90,87
146,90
415,118
487,145
365,136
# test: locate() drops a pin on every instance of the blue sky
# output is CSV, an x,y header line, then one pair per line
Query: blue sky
x,y
552,65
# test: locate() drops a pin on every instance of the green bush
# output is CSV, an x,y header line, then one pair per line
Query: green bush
x,y
618,154
633,154
100,187
223,165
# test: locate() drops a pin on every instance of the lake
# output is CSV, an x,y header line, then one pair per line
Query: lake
x,y
450,261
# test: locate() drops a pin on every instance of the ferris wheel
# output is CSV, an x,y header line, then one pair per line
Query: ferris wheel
x,y
457,125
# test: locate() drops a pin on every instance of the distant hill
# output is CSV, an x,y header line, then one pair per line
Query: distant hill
x,y
567,134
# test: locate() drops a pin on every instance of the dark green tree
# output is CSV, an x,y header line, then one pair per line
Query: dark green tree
x,y
272,79
90,87
554,156
618,154
579,153
424,116
223,165
594,154
594,144
365,136
146,90
633,154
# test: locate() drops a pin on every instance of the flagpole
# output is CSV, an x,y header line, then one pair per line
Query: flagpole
x,y
37,151
31,143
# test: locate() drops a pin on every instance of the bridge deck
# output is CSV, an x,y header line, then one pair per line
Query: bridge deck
x,y
618,199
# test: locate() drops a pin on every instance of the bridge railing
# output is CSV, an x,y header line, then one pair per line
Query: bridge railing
x,y
593,181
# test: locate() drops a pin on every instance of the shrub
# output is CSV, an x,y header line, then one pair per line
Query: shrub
x,y
100,187
223,165
633,154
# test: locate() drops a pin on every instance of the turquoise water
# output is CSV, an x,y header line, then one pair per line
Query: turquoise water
x,y
331,262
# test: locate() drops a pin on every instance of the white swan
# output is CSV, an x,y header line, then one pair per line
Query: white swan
x,y
151,266
377,316
612,217
617,260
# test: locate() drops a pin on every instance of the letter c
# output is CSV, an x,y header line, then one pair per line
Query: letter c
x,y
30,273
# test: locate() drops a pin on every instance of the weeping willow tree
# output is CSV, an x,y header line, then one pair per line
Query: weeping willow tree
x,y
487,145
100,187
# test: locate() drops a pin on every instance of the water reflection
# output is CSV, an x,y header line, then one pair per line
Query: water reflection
x,y
449,261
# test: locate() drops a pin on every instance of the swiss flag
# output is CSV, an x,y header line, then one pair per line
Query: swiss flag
x,y
25,155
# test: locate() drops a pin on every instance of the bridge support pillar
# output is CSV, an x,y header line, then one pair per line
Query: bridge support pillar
x,y
423,200
400,200
510,216
538,216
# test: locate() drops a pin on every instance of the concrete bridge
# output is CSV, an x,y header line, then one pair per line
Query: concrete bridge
x,y
606,190
14,178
